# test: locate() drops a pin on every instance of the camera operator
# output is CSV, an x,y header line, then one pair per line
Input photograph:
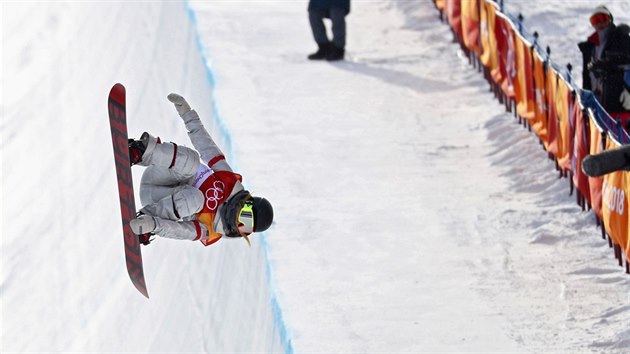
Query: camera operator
x,y
604,55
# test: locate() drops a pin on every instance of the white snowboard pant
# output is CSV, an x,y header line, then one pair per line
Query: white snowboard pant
x,y
166,191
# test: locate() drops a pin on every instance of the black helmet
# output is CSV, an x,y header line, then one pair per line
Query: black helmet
x,y
263,214
244,214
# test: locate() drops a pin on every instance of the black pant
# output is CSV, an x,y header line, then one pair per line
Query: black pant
x,y
338,18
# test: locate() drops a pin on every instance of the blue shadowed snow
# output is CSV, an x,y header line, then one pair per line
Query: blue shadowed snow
x,y
279,323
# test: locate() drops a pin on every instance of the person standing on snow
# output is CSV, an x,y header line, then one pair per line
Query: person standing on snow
x,y
336,11
604,54
187,199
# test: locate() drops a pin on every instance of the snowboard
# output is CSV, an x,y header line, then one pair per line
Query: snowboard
x,y
118,125
607,161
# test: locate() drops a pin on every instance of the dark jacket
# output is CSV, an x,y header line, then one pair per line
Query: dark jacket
x,y
615,54
326,5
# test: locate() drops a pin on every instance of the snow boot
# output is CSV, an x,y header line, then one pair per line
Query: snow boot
x,y
321,53
335,53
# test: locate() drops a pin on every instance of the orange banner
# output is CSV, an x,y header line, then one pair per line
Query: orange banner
x,y
552,113
539,124
510,60
524,87
470,24
615,203
565,130
488,54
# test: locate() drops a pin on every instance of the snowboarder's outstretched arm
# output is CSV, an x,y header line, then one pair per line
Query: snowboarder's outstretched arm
x,y
201,140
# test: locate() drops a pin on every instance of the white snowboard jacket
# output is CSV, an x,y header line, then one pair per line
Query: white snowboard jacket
x,y
215,181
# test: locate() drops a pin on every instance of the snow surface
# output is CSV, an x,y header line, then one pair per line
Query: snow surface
x,y
412,213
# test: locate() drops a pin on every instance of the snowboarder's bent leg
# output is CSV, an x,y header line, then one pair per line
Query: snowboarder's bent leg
x,y
180,160
183,201
158,182
169,167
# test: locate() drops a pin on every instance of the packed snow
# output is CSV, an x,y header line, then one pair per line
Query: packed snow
x,y
412,213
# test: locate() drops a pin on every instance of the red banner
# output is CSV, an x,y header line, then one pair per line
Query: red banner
x,y
500,35
454,16
580,150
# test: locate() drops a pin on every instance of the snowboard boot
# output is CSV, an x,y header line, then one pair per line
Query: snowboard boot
x,y
335,53
321,53
138,148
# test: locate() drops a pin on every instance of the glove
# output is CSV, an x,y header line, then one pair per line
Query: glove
x,y
143,224
624,98
180,104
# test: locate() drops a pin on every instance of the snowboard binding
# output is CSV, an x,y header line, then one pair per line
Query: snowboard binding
x,y
145,239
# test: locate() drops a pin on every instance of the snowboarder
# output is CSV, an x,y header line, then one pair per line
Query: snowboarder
x,y
186,198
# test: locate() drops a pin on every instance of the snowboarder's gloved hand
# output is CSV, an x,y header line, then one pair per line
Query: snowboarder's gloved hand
x,y
143,224
180,104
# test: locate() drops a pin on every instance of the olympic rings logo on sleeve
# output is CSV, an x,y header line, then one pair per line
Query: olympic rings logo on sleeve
x,y
214,195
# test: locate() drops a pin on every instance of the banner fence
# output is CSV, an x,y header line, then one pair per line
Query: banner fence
x,y
569,121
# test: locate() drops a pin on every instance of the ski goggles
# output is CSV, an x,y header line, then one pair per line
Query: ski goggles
x,y
598,19
245,218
